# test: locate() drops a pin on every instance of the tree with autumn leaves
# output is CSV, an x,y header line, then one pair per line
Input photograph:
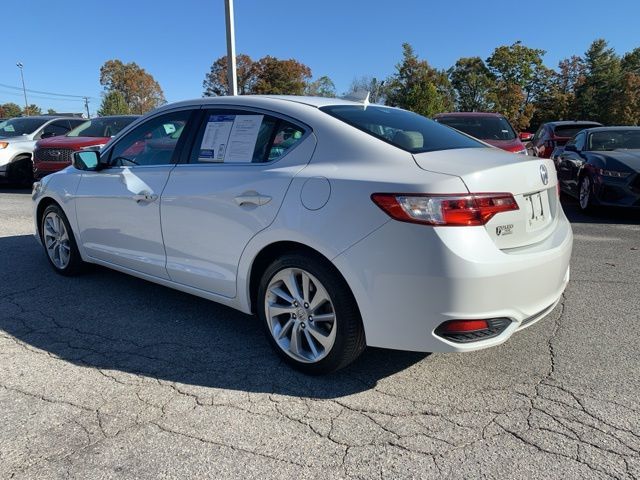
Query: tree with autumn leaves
x,y
129,88
269,75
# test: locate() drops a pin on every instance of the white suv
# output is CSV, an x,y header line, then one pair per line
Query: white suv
x,y
18,137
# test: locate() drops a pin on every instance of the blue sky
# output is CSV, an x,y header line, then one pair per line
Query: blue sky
x,y
62,47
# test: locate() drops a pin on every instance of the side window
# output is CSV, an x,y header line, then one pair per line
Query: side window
x,y
539,133
152,143
579,141
243,137
75,123
55,129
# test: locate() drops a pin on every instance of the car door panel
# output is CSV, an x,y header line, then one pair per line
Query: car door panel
x,y
118,208
210,213
116,225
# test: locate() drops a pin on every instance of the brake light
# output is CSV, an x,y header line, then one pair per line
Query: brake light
x,y
458,326
445,210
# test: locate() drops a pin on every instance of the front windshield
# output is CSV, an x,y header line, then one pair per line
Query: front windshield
x,y
484,128
101,127
614,140
14,127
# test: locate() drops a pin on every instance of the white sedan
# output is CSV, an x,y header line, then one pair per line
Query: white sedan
x,y
339,224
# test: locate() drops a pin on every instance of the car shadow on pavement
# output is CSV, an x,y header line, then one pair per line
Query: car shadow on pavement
x,y
602,215
117,323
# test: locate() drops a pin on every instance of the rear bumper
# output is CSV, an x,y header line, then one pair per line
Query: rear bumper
x,y
408,279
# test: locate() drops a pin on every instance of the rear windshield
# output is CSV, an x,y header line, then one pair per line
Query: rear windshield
x,y
570,130
408,131
101,127
484,128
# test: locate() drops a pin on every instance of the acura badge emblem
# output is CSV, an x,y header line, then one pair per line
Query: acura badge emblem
x,y
544,175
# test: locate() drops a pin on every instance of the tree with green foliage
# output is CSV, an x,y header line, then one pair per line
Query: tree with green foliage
x,y
322,87
140,90
521,79
418,87
10,110
113,103
32,109
51,111
595,96
472,82
628,109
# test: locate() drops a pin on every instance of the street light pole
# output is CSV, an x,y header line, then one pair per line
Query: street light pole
x,y
24,90
231,49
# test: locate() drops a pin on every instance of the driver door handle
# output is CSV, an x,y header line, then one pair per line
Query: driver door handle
x,y
252,198
145,197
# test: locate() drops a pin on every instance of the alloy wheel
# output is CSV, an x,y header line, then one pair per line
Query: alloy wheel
x,y
585,192
300,315
56,240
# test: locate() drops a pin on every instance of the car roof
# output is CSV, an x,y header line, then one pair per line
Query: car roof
x,y
468,114
563,123
252,100
606,129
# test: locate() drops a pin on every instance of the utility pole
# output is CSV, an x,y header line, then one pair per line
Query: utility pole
x,y
24,90
231,49
86,105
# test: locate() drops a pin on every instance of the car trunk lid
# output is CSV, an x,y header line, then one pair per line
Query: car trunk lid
x,y
492,171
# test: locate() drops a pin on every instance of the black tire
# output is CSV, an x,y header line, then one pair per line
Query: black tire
x,y
20,172
349,337
75,264
585,204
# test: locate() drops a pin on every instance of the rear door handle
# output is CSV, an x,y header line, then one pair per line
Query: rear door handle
x,y
252,198
145,197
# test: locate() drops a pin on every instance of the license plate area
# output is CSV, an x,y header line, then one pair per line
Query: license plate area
x,y
537,209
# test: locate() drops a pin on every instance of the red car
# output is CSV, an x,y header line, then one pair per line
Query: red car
x,y
491,128
53,154
556,134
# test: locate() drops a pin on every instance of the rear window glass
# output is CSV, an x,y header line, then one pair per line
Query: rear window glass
x,y
570,130
408,131
484,128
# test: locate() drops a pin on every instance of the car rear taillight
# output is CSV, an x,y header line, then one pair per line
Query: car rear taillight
x,y
445,210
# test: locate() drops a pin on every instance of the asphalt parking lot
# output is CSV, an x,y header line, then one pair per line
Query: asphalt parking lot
x,y
108,376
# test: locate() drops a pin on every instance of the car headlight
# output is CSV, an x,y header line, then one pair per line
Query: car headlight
x,y
4,145
613,173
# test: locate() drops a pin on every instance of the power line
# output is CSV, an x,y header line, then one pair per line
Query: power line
x,y
42,97
45,93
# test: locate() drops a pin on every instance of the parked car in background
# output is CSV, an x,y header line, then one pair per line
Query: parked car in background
x,y
492,128
339,224
18,137
555,134
54,154
601,166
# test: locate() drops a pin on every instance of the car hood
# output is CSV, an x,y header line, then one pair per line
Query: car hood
x,y
21,138
625,158
72,142
514,145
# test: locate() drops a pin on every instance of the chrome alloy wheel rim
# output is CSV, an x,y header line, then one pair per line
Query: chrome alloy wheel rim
x,y
56,240
301,315
585,190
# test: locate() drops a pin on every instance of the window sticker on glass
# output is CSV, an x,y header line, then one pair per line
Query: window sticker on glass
x,y
230,138
215,138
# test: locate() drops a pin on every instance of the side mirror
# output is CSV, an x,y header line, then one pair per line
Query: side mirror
x,y
525,136
88,160
570,148
47,134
